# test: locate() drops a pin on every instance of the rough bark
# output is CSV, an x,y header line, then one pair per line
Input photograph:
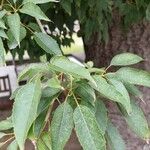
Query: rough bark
x,y
136,40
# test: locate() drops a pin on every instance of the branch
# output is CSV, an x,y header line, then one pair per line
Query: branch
x,y
40,25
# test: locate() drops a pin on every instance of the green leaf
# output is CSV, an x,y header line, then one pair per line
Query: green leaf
x,y
62,64
66,5
47,43
15,1
54,83
39,1
39,123
122,89
44,143
134,90
134,76
6,124
14,25
2,24
32,70
137,121
114,138
3,34
86,92
61,126
2,53
34,11
125,59
109,91
101,115
25,110
148,12
13,146
2,13
12,43
87,129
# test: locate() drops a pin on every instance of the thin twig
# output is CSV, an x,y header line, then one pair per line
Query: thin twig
x,y
40,25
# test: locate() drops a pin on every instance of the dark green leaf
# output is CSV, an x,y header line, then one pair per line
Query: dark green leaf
x,y
39,1
101,115
61,126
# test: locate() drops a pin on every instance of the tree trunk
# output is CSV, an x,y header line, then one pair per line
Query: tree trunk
x,y
136,40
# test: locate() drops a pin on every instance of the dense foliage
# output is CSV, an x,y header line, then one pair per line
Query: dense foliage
x,y
94,17
81,91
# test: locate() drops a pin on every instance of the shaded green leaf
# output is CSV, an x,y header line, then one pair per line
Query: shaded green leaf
x,y
39,1
125,59
87,129
25,110
47,43
114,139
14,25
3,34
61,126
2,24
12,43
109,91
101,115
34,11
137,121
86,92
134,76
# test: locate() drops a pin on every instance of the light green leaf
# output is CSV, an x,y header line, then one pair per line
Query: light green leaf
x,y
13,146
134,76
32,70
3,34
12,43
86,92
25,110
137,121
87,129
134,90
54,83
39,1
44,143
114,139
122,89
47,43
2,53
62,64
14,25
2,13
109,91
125,59
6,124
2,24
101,115
34,11
61,126
15,1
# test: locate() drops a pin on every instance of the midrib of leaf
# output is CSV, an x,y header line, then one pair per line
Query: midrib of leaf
x,y
87,127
